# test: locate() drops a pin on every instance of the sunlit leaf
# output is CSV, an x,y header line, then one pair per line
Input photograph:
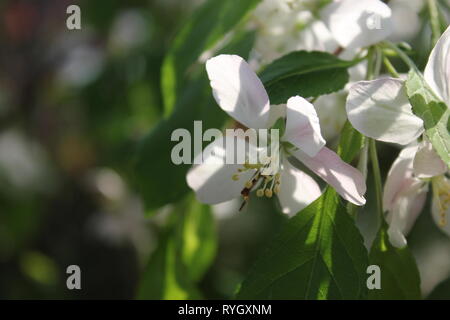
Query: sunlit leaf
x,y
186,249
198,241
434,113
164,276
319,253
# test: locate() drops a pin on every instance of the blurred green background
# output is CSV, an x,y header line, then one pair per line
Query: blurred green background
x,y
75,106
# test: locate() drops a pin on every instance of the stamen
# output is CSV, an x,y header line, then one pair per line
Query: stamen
x,y
441,191
276,189
265,190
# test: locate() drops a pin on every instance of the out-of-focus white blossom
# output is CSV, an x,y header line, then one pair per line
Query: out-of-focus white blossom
x,y
405,19
23,164
81,66
283,26
331,111
129,30
358,24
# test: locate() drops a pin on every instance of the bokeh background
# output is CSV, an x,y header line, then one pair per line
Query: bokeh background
x,y
74,108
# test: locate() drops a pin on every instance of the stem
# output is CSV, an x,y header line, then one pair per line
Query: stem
x,y
390,68
402,55
362,167
370,74
374,57
434,21
377,177
363,160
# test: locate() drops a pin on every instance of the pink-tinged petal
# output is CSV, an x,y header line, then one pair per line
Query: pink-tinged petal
x,y
357,24
437,71
400,176
212,179
381,110
344,178
297,189
238,90
404,213
302,126
427,163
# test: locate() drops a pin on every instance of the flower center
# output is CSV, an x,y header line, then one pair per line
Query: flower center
x,y
271,182
441,192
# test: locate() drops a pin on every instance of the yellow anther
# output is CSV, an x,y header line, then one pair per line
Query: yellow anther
x,y
235,177
441,190
252,166
268,193
248,184
276,189
260,193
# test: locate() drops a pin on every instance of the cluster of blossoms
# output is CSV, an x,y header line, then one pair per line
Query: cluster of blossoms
x,y
378,108
344,26
240,93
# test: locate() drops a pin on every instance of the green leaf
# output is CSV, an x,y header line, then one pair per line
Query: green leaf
x,y
164,276
319,254
199,243
400,277
441,292
434,113
158,179
201,32
309,74
352,141
186,249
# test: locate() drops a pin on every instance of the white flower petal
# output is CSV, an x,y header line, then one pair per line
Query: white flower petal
x,y
297,189
405,212
356,24
381,110
437,71
212,179
405,20
400,176
427,163
302,126
238,90
344,178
